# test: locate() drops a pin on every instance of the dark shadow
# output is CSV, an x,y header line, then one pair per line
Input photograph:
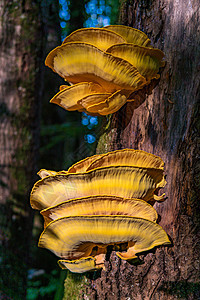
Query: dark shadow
x,y
93,275
136,262
135,100
152,251
181,289
108,253
4,111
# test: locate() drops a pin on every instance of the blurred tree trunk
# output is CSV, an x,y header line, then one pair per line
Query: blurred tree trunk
x,y
166,124
21,41
77,14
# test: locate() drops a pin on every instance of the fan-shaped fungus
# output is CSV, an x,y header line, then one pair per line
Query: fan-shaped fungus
x,y
100,205
131,35
126,182
99,37
75,237
117,60
82,265
81,62
82,165
104,103
146,60
127,157
75,94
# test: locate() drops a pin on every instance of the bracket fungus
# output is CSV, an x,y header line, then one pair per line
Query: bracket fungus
x,y
82,265
82,165
104,67
101,202
122,181
100,205
75,237
126,157
124,173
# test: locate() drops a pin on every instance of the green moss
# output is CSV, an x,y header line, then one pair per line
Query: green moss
x,y
74,285
105,139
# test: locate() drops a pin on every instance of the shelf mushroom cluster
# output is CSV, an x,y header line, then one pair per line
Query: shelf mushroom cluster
x,y
103,66
103,200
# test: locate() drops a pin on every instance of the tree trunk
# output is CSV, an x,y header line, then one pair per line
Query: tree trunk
x,y
165,124
20,93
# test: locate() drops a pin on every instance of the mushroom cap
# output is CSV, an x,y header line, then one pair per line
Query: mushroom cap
x,y
100,205
97,100
75,237
99,37
131,35
44,173
82,165
104,104
69,97
115,57
146,60
127,157
81,265
81,62
122,181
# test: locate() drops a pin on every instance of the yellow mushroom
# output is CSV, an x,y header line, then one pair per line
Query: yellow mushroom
x,y
99,37
110,104
69,96
72,238
100,205
82,165
122,181
116,58
131,35
146,60
84,264
97,100
90,97
44,173
127,157
81,62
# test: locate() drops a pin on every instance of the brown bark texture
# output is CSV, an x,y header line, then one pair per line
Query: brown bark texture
x,y
166,124
20,94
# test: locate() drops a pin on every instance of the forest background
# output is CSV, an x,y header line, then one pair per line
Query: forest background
x,y
35,134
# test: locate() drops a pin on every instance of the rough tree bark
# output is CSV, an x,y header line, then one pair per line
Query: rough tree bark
x,y
21,39
166,124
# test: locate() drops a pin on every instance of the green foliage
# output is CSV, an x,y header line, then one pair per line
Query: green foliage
x,y
114,14
46,286
59,132
12,271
